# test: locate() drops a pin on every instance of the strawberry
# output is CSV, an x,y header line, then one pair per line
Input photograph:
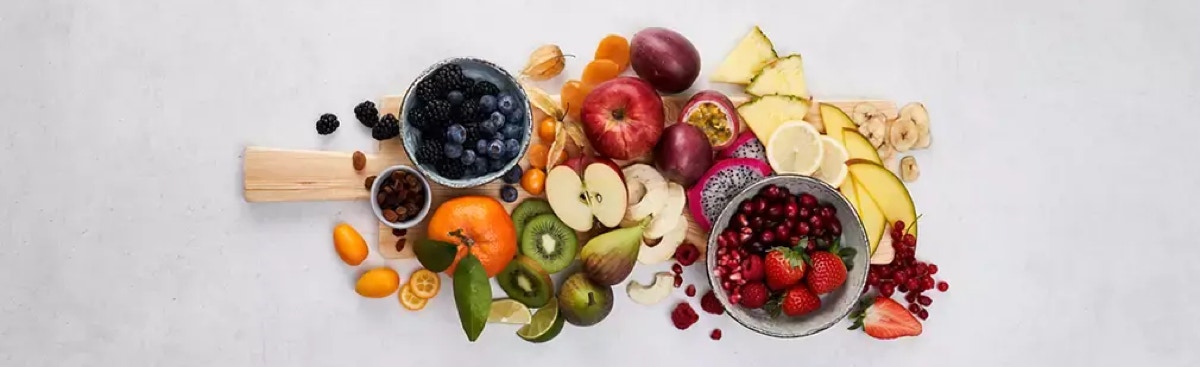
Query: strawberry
x,y
754,295
784,267
799,300
827,272
884,318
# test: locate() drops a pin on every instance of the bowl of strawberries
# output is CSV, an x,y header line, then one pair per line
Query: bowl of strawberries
x,y
791,256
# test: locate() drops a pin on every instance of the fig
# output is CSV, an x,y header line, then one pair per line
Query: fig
x,y
713,113
608,258
683,154
664,58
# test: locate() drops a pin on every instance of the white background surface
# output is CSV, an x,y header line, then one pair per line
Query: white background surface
x,y
1056,197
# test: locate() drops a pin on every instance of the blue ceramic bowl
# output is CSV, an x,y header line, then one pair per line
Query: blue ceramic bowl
x,y
478,70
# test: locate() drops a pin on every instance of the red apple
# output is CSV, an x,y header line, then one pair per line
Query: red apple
x,y
623,118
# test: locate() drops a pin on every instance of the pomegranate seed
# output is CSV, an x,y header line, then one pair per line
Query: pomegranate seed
x,y
726,284
735,298
678,269
812,246
716,334
932,269
678,280
691,290
898,226
943,286
914,308
735,276
718,272
835,228
767,237
828,212
925,300
911,297
923,314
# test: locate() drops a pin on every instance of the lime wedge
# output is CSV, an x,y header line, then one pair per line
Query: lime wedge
x,y
546,324
508,311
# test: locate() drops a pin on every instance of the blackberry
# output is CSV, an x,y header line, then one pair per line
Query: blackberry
x,y
429,152
439,111
327,124
484,88
470,111
418,117
387,128
427,90
450,169
475,132
366,113
444,79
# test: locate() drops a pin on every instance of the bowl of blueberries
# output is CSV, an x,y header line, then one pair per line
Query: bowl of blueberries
x,y
465,122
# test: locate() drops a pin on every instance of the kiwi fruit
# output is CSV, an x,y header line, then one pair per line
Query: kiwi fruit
x,y
525,281
547,240
527,210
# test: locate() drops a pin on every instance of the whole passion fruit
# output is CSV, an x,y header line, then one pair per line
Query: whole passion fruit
x,y
713,113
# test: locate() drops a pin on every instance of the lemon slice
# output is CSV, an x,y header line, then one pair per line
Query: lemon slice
x,y
833,162
509,311
424,283
795,148
546,324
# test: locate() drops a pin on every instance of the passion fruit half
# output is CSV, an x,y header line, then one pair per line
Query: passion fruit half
x,y
713,113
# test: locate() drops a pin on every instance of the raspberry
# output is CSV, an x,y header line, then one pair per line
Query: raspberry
x,y
691,290
686,254
754,295
716,334
683,316
710,304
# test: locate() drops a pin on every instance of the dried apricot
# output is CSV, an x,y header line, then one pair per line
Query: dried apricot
x,y
537,155
534,181
571,97
547,128
616,49
349,245
600,71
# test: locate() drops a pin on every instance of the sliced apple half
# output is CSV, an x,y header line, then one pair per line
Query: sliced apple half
x,y
599,194
886,190
859,147
671,213
836,121
665,249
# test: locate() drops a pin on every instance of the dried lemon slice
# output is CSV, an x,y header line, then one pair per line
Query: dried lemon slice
x,y
424,283
795,148
410,300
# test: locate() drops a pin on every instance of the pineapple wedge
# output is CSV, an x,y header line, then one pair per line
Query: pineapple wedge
x,y
765,114
751,54
783,76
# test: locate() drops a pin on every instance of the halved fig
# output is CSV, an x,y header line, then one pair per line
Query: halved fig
x,y
713,113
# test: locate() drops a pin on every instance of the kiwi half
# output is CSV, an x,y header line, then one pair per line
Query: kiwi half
x,y
525,281
527,210
547,240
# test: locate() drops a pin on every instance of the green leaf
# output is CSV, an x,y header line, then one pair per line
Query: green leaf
x,y
847,255
804,256
837,243
802,244
472,295
774,305
435,255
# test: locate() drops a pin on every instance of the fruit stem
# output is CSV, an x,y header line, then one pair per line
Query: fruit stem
x,y
462,237
591,299
618,114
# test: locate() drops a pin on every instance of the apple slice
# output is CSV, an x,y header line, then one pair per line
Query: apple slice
x,y
665,249
565,192
887,190
885,253
606,193
665,219
835,121
858,146
872,217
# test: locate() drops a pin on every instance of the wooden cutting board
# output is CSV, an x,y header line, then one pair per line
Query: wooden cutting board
x,y
280,175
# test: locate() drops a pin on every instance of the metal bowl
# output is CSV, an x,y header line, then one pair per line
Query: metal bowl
x,y
375,187
479,70
835,305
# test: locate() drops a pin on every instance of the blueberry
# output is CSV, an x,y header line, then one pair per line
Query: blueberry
x,y
481,165
496,165
506,103
513,175
495,149
487,104
511,131
468,157
516,115
508,193
452,150
481,146
455,97
456,134
512,148
493,123
498,136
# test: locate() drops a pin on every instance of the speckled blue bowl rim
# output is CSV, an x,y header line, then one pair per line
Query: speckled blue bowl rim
x,y
853,233
409,143
412,222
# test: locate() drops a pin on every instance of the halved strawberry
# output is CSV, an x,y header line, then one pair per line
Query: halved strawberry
x,y
883,318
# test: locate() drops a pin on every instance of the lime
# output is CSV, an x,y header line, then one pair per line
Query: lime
x,y
795,148
546,324
508,311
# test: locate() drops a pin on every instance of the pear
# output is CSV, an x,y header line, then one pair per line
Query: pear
x,y
608,258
